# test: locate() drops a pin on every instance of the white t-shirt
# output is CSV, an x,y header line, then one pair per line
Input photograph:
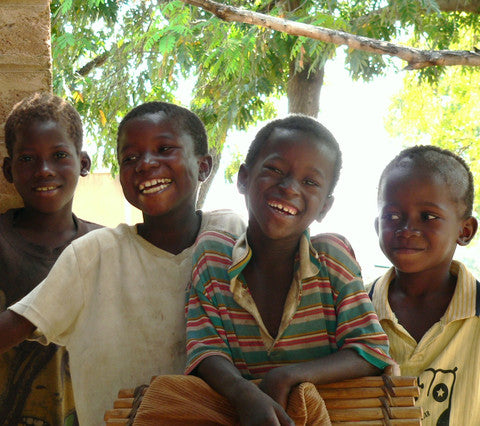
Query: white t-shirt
x,y
117,303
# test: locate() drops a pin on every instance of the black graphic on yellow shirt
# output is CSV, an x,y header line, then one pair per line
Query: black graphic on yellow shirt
x,y
35,386
439,385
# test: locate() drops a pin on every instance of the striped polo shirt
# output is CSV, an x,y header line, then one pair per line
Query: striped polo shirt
x,y
326,308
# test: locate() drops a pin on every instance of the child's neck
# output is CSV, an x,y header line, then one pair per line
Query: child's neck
x,y
46,229
268,252
269,275
424,283
420,300
173,232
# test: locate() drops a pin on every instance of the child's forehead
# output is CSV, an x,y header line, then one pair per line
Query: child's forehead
x,y
44,129
408,173
416,182
155,127
293,138
408,176
290,144
157,122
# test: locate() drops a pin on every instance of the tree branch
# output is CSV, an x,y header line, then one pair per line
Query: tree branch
x,y
416,58
96,62
470,6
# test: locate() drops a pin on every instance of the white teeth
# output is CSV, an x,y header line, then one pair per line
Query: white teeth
x,y
154,185
45,188
281,207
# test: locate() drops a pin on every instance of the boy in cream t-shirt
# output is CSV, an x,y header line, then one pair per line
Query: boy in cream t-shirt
x,y
116,298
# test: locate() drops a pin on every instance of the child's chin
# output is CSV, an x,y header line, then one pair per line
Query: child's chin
x,y
154,210
47,207
409,268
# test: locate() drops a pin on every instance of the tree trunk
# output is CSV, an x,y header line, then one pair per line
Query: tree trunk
x,y
304,90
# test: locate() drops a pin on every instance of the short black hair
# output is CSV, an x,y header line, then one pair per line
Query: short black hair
x,y
43,107
302,123
185,120
444,163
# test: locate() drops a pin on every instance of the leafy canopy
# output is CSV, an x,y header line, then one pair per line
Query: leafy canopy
x,y
444,112
110,55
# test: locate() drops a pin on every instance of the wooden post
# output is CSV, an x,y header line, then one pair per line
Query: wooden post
x,y
25,66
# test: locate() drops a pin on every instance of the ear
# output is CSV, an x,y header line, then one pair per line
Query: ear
x,y
326,207
376,225
469,228
7,169
85,163
204,167
242,179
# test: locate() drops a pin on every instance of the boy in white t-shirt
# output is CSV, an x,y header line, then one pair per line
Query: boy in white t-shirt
x,y
116,298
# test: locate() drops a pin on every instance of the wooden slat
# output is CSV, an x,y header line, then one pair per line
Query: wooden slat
x,y
360,393
394,422
126,393
123,403
372,381
117,413
402,401
374,414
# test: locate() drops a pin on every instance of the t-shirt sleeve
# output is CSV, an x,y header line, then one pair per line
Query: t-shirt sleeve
x,y
358,327
206,335
223,221
54,305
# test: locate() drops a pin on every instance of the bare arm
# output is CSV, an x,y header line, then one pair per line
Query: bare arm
x,y
14,329
342,365
253,406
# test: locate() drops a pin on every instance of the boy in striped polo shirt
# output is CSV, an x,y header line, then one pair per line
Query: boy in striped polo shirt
x,y
274,304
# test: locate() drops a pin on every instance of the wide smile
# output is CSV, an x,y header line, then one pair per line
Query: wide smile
x,y
46,188
283,208
154,185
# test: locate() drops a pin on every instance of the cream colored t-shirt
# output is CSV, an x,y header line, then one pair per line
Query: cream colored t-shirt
x,y
117,303
446,360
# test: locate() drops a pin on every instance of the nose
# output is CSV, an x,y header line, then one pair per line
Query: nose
x,y
289,185
407,229
146,162
44,169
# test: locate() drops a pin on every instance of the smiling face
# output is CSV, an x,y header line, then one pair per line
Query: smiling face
x,y
419,223
287,186
159,170
45,166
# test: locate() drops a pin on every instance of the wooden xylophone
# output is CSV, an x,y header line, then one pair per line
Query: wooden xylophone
x,y
375,400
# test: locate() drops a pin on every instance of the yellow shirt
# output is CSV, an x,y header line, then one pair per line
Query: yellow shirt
x,y
447,359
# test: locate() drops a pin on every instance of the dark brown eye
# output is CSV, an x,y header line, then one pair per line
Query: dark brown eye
x,y
129,158
428,216
274,169
311,182
61,154
391,216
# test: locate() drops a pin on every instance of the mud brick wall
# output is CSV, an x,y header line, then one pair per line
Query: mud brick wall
x,y
25,66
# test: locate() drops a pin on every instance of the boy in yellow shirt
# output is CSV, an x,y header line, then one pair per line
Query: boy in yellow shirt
x,y
427,303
